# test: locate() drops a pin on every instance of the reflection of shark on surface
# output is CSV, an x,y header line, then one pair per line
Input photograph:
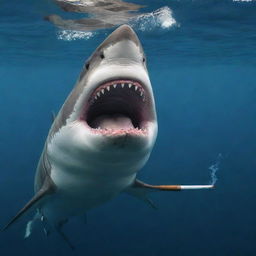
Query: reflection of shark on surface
x,y
102,136
103,14
79,25
93,6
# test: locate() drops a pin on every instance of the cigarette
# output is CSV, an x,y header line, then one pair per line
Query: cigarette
x,y
179,187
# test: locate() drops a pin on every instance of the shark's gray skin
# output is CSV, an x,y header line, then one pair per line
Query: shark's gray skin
x,y
102,14
102,136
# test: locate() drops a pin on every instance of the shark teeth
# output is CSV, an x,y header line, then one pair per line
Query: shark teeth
x,y
106,88
110,131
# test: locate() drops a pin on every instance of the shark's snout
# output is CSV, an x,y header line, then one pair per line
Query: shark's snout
x,y
124,32
123,46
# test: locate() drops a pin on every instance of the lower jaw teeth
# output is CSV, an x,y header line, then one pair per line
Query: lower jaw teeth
x,y
119,130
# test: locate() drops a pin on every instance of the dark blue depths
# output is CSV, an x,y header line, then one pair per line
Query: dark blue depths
x,y
203,75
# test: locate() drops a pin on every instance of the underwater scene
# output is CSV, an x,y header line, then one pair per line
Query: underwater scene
x,y
110,109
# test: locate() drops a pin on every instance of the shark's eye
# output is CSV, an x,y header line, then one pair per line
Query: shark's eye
x,y
87,66
143,59
102,55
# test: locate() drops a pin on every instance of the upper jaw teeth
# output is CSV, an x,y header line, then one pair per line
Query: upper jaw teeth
x,y
107,88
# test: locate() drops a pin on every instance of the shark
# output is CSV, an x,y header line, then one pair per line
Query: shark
x,y
101,138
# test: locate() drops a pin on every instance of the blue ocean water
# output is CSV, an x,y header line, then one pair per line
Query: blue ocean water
x,y
201,59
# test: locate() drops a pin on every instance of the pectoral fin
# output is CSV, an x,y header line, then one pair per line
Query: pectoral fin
x,y
150,188
48,188
141,193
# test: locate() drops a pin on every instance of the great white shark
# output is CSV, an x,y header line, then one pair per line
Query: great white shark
x,y
102,136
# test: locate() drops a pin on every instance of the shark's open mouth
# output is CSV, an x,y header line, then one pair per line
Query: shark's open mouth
x,y
119,106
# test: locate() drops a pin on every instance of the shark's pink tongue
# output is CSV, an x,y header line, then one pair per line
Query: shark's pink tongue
x,y
115,122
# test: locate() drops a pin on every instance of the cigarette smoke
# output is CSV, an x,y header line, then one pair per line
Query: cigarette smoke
x,y
214,168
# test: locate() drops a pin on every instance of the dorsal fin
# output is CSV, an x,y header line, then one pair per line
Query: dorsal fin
x,y
53,116
48,188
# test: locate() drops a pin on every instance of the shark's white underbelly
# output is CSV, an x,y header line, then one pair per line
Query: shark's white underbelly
x,y
79,192
87,174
